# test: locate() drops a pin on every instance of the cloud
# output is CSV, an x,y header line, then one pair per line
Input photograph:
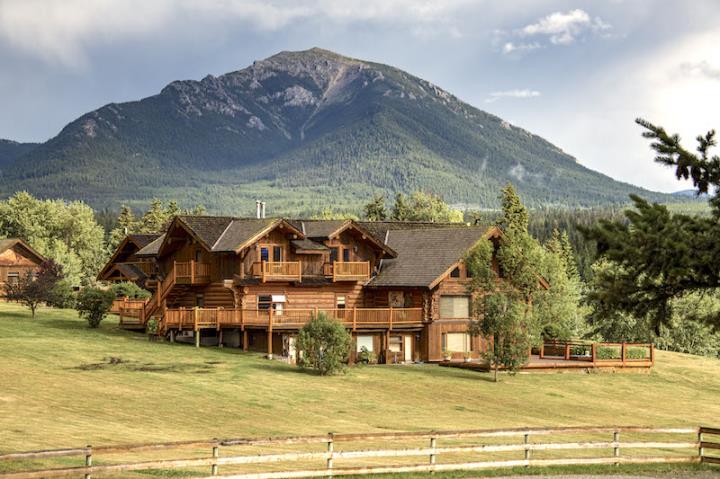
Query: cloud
x,y
524,93
63,32
557,28
701,69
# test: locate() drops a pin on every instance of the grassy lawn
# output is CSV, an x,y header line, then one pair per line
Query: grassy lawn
x,y
64,385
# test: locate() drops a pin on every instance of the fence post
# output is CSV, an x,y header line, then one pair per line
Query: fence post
x,y
215,455
526,440
701,451
330,453
88,461
616,448
433,445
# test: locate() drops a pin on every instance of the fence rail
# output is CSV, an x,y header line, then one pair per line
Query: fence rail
x,y
694,446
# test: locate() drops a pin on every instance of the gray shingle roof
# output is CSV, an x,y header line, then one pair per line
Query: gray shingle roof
x,y
424,254
380,228
317,228
142,240
239,231
306,244
152,248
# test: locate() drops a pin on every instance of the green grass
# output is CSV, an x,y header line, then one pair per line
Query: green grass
x,y
60,387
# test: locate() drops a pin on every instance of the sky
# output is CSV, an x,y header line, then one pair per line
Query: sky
x,y
575,72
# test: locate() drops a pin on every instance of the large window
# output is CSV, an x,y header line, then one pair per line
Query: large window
x,y
346,255
455,342
264,254
333,255
395,344
454,307
264,302
277,253
364,341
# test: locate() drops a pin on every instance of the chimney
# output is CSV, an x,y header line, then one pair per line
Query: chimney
x,y
257,209
262,209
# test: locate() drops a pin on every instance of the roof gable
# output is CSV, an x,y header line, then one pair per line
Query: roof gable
x,y
28,251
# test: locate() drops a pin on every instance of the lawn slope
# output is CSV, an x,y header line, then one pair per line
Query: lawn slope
x,y
66,385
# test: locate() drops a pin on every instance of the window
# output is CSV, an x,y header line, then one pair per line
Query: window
x,y
264,302
340,306
198,256
454,307
200,300
264,254
13,277
346,255
364,341
455,342
277,253
333,255
395,344
455,273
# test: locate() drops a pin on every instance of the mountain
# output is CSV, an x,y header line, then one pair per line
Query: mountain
x,y
691,193
303,131
10,151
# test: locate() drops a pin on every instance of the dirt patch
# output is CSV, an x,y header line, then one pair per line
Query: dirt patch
x,y
112,362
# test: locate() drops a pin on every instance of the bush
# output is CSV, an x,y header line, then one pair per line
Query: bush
x,y
93,305
608,352
365,356
129,290
62,295
323,345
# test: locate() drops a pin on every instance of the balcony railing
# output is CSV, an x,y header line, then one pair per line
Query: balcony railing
x,y
351,318
351,270
192,272
278,270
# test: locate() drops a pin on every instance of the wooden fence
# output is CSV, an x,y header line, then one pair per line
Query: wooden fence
x,y
608,447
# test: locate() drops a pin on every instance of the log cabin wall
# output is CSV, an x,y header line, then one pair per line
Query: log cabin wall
x,y
14,260
304,297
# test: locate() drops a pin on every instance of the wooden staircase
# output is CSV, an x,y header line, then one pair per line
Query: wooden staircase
x,y
158,302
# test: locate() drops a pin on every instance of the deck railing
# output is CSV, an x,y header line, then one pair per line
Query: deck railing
x,y
352,318
192,272
351,270
278,270
598,353
388,452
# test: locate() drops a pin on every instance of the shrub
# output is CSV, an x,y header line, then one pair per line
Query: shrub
x,y
608,352
365,356
152,326
93,305
62,296
32,290
323,345
637,353
129,290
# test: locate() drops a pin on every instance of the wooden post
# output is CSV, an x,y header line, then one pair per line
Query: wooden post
x,y
88,461
390,318
594,352
354,319
433,445
387,347
330,452
623,353
245,340
299,270
197,338
652,355
220,338
215,455
567,351
542,350
172,335
701,451
616,449
192,271
269,333
527,448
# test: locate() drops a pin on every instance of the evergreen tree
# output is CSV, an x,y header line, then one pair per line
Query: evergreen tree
x,y
375,210
515,215
155,218
126,224
662,256
400,211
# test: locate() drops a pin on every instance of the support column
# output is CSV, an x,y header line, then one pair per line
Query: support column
x,y
220,338
245,340
269,333
197,338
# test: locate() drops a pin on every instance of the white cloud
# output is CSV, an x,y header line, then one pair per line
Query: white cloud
x,y
701,69
557,28
63,32
517,93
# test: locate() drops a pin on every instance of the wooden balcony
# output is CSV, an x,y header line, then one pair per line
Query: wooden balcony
x,y
351,271
351,318
192,272
278,270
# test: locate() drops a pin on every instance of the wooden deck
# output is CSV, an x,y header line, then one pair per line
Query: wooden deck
x,y
605,356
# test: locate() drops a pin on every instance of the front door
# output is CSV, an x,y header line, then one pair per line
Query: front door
x,y
407,348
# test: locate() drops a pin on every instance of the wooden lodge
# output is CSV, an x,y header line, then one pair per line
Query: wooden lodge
x,y
401,288
17,259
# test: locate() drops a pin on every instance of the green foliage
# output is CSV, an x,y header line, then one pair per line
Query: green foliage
x,y
151,327
420,206
661,256
93,305
153,220
365,356
63,231
127,289
32,290
323,344
62,296
375,210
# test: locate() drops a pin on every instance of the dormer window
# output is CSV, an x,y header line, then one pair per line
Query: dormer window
x,y
455,273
